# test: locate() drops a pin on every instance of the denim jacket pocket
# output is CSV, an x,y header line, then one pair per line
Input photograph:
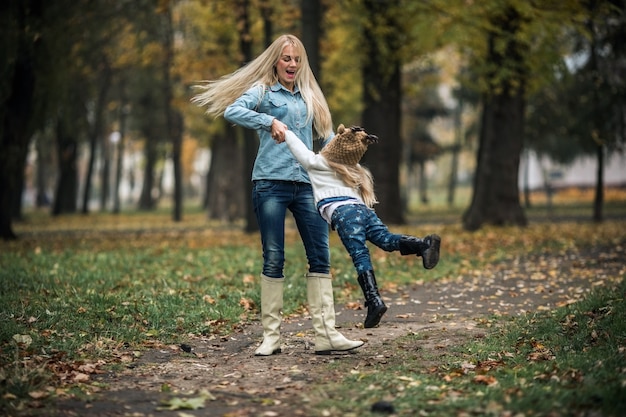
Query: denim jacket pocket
x,y
278,107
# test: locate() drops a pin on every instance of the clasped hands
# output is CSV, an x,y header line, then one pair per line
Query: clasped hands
x,y
278,131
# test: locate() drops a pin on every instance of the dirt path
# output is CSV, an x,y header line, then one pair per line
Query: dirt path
x,y
444,313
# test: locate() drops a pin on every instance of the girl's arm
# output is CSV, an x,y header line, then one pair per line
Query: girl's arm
x,y
307,158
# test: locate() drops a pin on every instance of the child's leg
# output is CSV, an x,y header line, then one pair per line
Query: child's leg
x,y
376,308
348,221
427,248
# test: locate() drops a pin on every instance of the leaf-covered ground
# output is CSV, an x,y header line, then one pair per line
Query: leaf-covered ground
x,y
483,281
221,377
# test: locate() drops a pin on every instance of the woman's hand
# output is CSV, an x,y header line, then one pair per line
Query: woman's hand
x,y
278,131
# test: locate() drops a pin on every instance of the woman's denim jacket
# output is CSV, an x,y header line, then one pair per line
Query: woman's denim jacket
x,y
256,109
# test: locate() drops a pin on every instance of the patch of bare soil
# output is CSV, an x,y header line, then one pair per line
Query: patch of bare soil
x,y
225,374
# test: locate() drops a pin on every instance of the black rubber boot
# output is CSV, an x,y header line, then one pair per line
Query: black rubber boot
x,y
375,305
427,248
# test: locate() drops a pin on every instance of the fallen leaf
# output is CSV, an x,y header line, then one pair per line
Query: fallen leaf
x,y
485,379
23,339
353,306
37,395
80,377
247,303
177,403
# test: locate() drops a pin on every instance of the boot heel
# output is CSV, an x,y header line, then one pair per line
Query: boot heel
x,y
373,317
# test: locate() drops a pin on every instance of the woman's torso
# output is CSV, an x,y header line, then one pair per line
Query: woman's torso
x,y
256,109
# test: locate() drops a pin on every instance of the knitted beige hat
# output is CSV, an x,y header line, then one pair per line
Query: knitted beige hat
x,y
348,146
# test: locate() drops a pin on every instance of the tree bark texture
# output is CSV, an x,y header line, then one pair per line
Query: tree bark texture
x,y
250,140
311,16
495,198
65,196
598,199
146,199
381,113
496,193
17,111
226,201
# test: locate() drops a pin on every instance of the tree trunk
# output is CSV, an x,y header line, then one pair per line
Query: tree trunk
x,y
381,113
17,111
311,11
526,180
250,140
95,133
423,184
598,121
105,172
119,165
495,198
43,171
226,159
67,183
173,120
311,15
456,149
177,145
598,201
93,143
13,152
146,199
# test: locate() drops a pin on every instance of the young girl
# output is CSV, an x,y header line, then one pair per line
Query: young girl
x,y
344,194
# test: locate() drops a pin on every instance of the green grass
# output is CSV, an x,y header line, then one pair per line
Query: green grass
x,y
121,294
572,359
80,287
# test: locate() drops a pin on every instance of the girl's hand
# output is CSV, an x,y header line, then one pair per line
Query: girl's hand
x,y
278,131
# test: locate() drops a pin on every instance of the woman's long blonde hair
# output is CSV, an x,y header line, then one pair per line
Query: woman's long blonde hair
x,y
221,93
357,176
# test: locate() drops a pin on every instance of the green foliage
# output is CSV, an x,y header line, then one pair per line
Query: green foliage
x,y
582,107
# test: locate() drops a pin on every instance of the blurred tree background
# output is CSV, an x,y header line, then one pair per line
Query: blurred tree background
x,y
95,111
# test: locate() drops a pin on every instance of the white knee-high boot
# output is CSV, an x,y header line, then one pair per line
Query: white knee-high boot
x,y
271,310
322,310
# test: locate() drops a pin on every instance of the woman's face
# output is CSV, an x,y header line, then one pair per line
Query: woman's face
x,y
287,66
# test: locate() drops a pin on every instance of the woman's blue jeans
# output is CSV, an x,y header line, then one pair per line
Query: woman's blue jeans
x,y
271,200
356,224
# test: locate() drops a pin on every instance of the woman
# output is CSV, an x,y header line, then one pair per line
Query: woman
x,y
344,195
274,93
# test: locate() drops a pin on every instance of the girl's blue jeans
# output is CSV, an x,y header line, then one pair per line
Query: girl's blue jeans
x,y
356,224
271,200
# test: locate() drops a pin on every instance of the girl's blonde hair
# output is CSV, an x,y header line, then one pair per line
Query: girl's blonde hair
x,y
221,93
357,176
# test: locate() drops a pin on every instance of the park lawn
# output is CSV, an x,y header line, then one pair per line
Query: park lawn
x,y
85,290
567,362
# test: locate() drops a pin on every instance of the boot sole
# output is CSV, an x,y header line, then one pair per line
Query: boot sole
x,y
430,257
328,352
273,353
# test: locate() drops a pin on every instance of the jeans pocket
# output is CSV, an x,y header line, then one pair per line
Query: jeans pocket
x,y
261,186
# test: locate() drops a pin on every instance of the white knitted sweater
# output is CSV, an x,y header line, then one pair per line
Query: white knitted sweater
x,y
323,178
